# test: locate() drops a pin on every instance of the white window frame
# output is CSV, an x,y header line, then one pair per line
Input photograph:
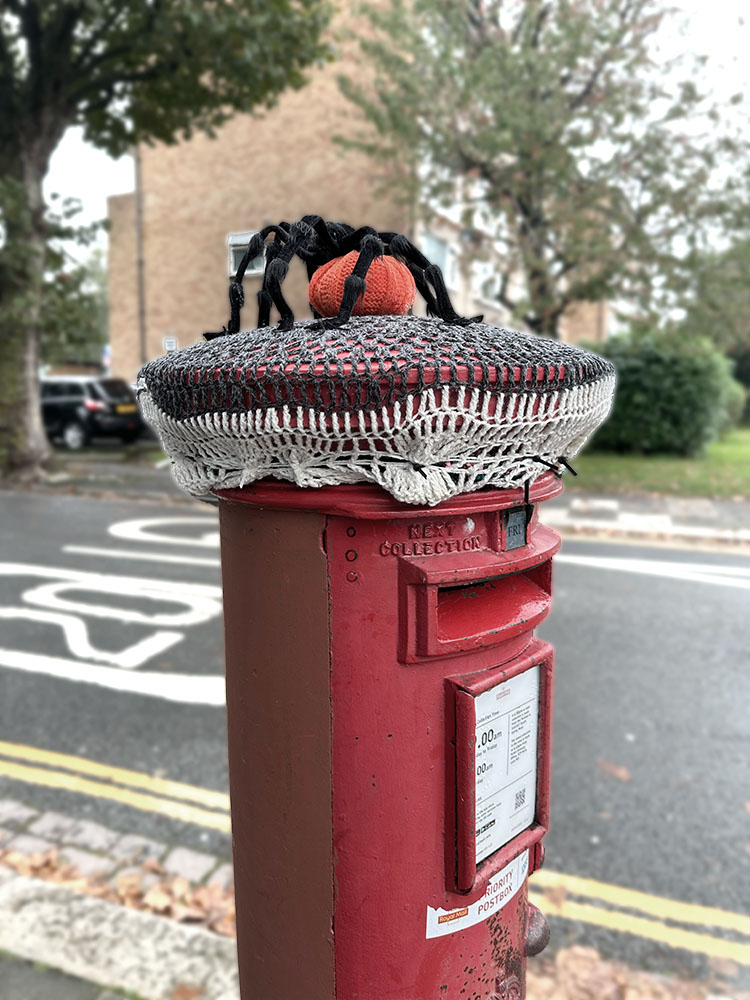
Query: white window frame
x,y
450,268
239,242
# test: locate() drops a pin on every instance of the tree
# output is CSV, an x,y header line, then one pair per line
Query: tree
x,y
73,320
129,71
719,305
591,167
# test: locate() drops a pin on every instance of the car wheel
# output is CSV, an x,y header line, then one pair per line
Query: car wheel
x,y
74,436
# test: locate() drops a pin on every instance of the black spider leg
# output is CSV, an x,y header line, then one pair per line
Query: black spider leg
x,y
401,247
265,300
319,251
236,291
328,235
276,270
422,287
354,240
323,248
355,284
416,272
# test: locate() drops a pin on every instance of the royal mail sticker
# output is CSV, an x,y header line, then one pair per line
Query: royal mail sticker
x,y
507,720
501,888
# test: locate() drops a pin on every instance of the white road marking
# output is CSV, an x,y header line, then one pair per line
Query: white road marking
x,y
114,670
707,573
128,584
140,531
77,638
201,601
189,689
198,609
128,554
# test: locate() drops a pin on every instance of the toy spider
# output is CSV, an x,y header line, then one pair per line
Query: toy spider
x,y
318,243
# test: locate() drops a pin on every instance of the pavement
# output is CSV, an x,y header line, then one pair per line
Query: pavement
x,y
84,906
100,852
21,980
54,938
60,943
652,517
139,473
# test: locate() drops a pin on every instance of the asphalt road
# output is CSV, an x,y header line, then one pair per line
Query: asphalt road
x,y
155,732
651,779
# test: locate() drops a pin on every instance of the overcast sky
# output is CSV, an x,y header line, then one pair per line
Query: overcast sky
x,y
715,28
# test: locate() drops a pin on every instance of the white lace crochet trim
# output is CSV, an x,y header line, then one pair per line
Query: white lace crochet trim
x,y
421,451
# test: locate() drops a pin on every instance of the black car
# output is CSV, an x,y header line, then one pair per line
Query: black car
x,y
77,408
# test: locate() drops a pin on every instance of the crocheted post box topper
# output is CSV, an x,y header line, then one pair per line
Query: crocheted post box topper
x,y
425,408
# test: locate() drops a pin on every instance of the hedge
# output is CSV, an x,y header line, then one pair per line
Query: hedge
x,y
675,393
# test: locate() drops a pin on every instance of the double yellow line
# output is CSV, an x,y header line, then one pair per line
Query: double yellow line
x,y
669,922
130,788
631,912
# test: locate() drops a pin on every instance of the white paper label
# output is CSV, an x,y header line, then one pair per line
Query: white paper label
x,y
506,736
501,888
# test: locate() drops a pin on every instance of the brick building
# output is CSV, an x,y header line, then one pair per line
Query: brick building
x,y
281,164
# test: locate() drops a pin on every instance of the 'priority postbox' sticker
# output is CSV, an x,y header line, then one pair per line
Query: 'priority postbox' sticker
x,y
501,888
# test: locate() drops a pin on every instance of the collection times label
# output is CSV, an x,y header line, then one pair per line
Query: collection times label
x,y
507,720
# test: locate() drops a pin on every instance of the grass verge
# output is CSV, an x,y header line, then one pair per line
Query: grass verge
x,y
722,471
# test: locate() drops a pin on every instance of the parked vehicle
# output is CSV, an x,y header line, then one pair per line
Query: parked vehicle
x,y
77,408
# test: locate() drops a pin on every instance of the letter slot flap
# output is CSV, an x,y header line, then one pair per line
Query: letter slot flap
x,y
458,603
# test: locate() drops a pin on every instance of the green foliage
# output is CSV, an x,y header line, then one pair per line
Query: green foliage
x,y
128,71
131,71
673,394
735,399
719,305
74,313
741,359
558,129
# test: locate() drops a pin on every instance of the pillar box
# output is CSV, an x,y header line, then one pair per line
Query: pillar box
x,y
389,706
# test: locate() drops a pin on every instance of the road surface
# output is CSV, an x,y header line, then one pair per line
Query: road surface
x,y
111,653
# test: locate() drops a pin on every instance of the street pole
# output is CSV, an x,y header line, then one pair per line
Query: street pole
x,y
139,263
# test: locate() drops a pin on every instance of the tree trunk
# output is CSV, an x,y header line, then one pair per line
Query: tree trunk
x,y
546,324
24,448
543,316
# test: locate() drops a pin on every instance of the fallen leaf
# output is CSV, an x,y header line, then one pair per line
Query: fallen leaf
x,y
153,866
614,770
724,967
183,992
157,899
187,914
556,896
210,906
180,886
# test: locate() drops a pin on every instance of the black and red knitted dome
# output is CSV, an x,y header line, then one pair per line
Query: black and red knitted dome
x,y
422,407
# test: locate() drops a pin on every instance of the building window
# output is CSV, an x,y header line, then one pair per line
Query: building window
x,y
237,244
485,282
439,251
435,250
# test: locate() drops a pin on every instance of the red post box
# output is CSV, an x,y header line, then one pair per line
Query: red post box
x,y
389,720
389,706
